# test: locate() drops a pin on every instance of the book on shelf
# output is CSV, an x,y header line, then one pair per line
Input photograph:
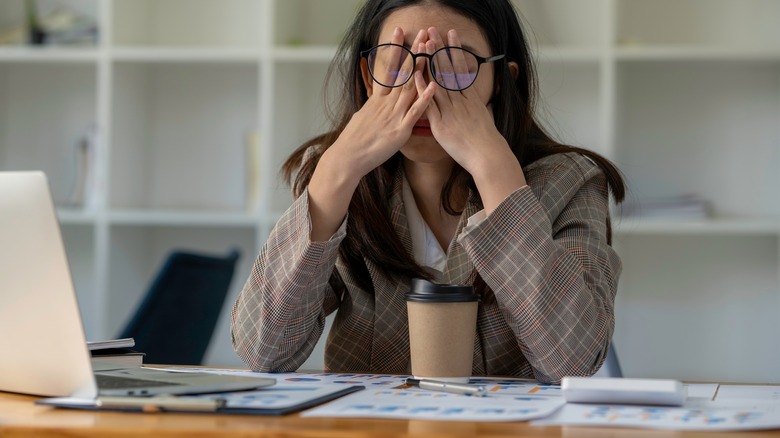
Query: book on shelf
x,y
84,191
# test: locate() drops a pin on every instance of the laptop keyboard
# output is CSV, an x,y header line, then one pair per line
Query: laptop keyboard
x,y
116,382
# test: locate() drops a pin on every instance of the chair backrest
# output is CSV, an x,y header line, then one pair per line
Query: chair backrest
x,y
175,321
611,367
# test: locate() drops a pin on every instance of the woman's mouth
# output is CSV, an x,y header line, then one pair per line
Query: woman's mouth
x,y
422,128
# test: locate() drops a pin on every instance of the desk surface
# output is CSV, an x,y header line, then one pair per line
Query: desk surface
x,y
20,417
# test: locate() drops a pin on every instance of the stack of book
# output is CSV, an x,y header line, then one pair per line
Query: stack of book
x,y
116,351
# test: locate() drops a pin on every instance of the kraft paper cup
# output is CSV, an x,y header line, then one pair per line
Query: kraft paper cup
x,y
442,327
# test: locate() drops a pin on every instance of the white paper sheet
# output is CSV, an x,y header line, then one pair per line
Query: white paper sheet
x,y
696,415
415,403
736,407
703,391
727,393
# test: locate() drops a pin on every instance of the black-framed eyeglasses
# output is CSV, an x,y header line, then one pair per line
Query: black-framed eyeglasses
x,y
453,68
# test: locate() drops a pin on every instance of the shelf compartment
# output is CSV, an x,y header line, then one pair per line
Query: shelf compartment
x,y
187,23
721,23
180,135
183,218
564,23
13,13
716,226
694,53
682,298
322,54
299,101
52,55
570,103
313,22
45,113
79,244
192,54
702,128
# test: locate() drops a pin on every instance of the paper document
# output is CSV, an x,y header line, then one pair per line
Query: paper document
x,y
709,407
387,396
749,392
433,405
507,400
694,415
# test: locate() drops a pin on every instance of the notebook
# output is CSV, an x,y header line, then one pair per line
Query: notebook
x,y
43,350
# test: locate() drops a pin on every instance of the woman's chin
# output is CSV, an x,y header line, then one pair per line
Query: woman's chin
x,y
424,151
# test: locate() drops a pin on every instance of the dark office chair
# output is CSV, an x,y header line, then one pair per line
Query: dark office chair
x,y
175,321
611,367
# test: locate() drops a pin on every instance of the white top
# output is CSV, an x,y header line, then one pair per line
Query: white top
x,y
425,248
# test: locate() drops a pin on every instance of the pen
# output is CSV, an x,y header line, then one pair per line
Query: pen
x,y
162,403
452,388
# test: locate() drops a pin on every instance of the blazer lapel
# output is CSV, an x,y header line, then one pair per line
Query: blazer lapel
x,y
459,269
390,349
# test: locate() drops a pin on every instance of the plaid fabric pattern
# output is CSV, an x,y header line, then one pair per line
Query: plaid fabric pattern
x,y
543,253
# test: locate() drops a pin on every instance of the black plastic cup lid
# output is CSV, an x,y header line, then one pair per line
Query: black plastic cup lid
x,y
425,291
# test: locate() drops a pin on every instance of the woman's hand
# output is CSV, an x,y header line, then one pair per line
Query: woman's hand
x,y
375,133
462,123
460,120
384,123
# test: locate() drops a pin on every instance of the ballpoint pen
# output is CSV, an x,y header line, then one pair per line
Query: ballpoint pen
x,y
162,403
450,387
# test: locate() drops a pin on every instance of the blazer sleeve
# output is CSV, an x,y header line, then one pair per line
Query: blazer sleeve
x,y
544,253
279,315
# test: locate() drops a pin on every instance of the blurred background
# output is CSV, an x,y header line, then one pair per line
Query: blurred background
x,y
162,125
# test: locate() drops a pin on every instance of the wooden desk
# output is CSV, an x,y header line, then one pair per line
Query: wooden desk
x,y
19,417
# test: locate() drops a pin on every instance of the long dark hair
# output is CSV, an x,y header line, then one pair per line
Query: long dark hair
x,y
371,234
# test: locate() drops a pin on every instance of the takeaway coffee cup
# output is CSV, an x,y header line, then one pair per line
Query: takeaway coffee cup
x,y
442,326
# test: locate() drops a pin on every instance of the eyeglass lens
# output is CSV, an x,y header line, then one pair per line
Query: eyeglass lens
x,y
451,67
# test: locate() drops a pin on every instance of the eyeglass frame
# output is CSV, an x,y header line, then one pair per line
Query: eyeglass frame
x,y
480,60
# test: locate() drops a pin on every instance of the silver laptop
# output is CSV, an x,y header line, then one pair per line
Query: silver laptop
x,y
43,349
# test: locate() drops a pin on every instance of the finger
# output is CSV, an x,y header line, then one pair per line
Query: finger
x,y
398,65
407,93
422,103
441,78
419,41
441,64
406,63
384,63
432,110
460,62
389,61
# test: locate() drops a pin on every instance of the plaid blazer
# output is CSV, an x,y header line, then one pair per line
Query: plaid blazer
x,y
542,252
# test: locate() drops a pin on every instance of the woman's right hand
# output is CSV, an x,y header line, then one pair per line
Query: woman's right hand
x,y
384,124
374,134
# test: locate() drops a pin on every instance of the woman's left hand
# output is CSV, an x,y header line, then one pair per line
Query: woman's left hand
x,y
462,123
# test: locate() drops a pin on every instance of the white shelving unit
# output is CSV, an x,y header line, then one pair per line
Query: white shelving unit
x,y
684,95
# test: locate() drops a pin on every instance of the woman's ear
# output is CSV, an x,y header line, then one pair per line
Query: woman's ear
x,y
514,69
368,82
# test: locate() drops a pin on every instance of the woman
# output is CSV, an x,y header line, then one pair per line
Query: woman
x,y
436,168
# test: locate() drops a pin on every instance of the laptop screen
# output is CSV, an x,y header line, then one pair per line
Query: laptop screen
x,y
42,344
